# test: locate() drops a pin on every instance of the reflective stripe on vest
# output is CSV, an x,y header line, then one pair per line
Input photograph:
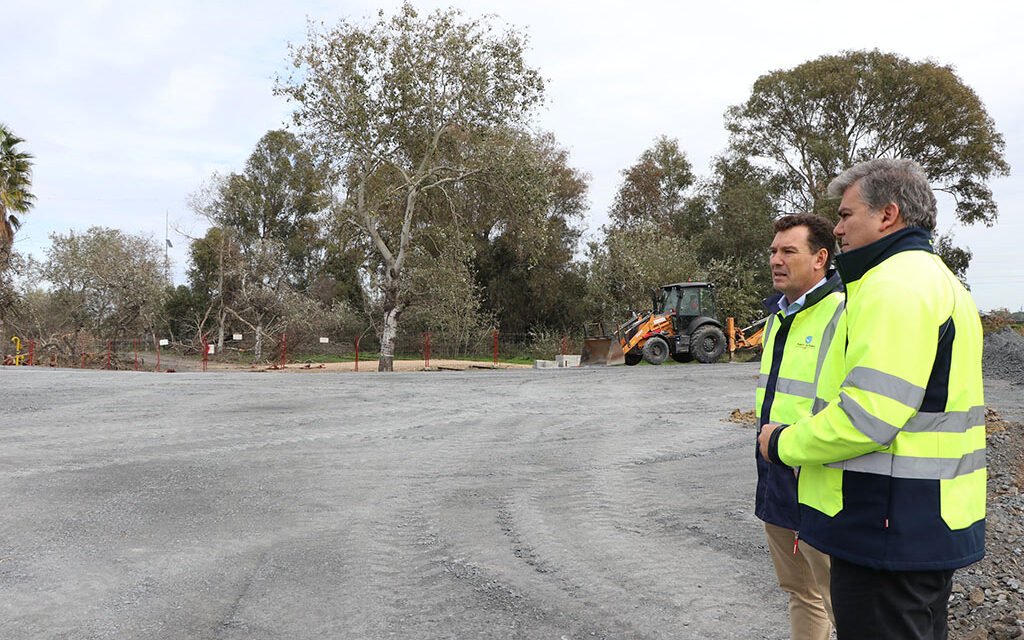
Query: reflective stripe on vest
x,y
801,388
886,464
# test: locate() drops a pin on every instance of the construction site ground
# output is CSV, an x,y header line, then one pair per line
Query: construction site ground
x,y
515,503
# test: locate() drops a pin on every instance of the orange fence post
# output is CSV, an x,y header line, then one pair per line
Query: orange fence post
x,y
495,347
157,340
357,353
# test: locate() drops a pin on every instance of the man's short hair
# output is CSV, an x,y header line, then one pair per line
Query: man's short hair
x,y
898,180
819,232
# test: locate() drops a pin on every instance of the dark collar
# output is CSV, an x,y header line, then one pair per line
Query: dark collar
x,y
832,283
854,264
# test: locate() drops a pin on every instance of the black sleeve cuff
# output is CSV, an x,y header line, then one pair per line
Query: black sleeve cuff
x,y
773,447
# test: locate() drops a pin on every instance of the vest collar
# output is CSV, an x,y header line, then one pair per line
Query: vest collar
x,y
854,264
832,283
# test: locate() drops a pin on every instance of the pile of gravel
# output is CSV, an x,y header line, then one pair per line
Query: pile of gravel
x,y
988,597
1004,356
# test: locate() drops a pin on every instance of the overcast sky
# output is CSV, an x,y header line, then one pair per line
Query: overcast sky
x,y
129,107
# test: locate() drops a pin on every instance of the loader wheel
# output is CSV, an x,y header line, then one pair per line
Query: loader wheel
x,y
707,343
655,350
634,358
682,357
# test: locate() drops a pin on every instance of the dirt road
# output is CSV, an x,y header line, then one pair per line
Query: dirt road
x,y
567,503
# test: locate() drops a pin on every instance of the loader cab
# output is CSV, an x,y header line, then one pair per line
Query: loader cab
x,y
687,299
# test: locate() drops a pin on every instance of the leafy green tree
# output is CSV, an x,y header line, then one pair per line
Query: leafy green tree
x,y
738,201
814,120
654,191
266,232
523,213
108,284
628,264
394,103
15,189
214,264
455,310
183,312
956,258
15,199
650,239
282,196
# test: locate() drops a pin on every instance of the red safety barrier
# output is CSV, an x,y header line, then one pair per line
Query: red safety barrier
x,y
495,347
357,353
157,340
426,350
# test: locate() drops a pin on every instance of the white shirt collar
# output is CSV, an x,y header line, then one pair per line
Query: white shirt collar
x,y
785,307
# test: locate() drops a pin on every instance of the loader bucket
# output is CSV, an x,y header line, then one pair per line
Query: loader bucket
x,y
601,352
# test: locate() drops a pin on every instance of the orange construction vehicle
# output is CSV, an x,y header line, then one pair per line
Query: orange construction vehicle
x,y
683,325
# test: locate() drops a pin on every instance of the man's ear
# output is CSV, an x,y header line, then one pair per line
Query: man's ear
x,y
889,218
821,259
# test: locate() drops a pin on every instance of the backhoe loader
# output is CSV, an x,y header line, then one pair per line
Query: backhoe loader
x,y
682,325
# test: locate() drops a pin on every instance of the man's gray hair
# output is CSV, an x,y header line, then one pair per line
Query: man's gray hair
x,y
898,180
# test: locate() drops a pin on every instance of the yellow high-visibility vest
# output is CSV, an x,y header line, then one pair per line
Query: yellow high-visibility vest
x,y
801,368
893,470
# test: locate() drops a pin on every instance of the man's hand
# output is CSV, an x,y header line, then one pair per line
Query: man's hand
x,y
765,437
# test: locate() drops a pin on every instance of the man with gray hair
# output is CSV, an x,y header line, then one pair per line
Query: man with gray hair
x,y
892,480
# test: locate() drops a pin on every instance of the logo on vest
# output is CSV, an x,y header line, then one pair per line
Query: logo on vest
x,y
808,343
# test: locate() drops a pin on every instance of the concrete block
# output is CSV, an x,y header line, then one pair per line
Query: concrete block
x,y
567,361
544,364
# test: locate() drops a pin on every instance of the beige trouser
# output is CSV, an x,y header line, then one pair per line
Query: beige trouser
x,y
805,577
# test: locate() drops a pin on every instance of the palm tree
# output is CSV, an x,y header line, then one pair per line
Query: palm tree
x,y
15,185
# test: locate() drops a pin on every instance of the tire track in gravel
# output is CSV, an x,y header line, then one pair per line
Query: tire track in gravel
x,y
605,550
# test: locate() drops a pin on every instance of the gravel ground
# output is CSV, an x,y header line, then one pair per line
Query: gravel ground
x,y
565,504
518,504
988,597
1004,356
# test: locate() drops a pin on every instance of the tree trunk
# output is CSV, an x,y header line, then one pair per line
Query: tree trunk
x,y
387,339
222,319
257,351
